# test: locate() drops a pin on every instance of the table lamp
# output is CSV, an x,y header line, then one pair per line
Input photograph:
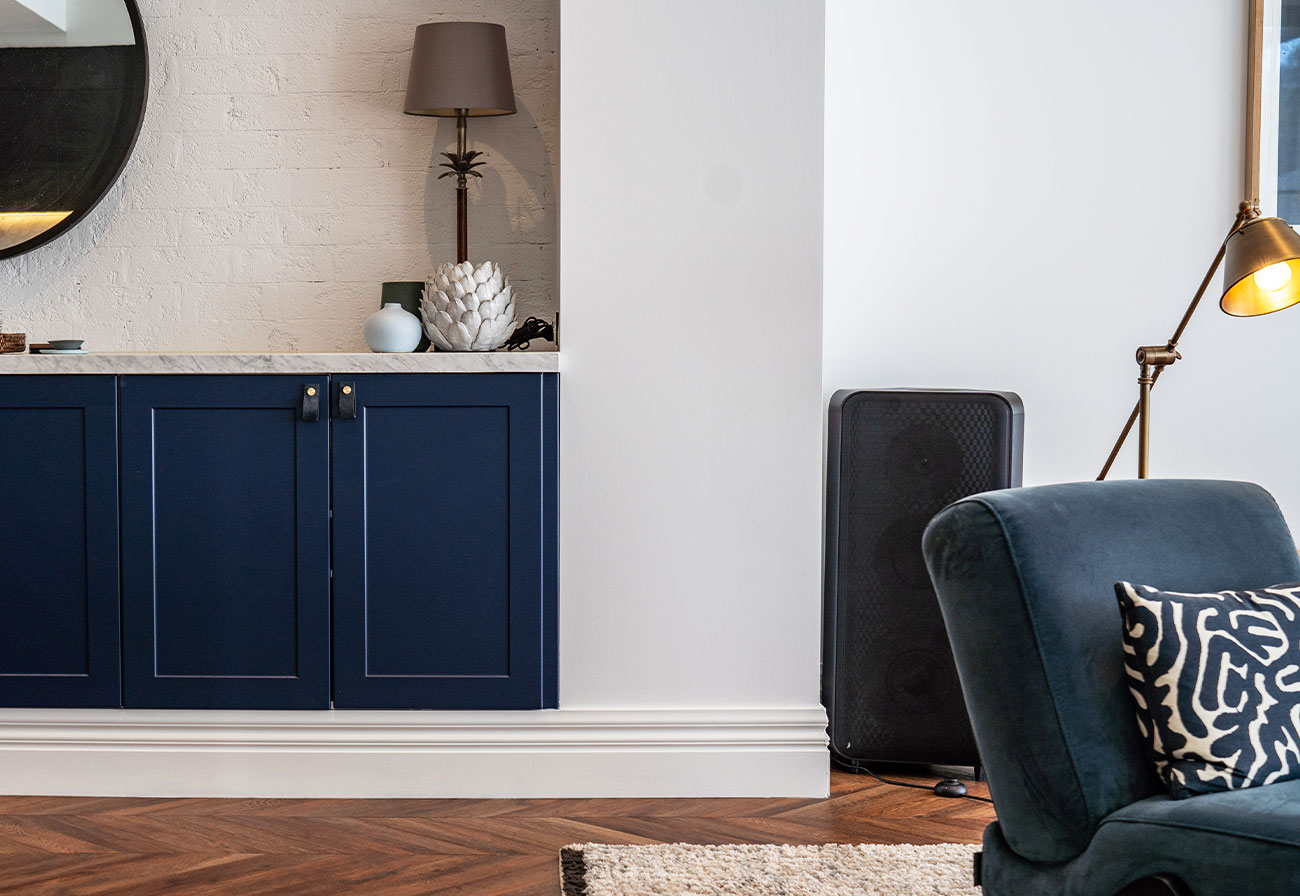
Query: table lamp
x,y
1261,274
460,70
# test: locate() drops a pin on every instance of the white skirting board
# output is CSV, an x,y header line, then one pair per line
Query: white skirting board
x,y
549,753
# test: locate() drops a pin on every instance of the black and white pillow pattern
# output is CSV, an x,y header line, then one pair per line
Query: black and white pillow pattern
x,y
1216,678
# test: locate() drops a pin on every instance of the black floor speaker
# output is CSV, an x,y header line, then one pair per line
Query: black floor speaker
x,y
897,457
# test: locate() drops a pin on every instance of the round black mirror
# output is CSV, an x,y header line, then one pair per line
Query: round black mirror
x,y
74,75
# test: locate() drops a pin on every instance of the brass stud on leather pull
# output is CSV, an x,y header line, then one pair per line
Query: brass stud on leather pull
x,y
310,403
347,401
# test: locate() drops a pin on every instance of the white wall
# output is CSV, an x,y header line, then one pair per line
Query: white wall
x,y
277,183
1019,195
690,442
690,590
67,23
32,16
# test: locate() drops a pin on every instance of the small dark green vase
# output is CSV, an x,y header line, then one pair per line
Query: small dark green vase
x,y
407,294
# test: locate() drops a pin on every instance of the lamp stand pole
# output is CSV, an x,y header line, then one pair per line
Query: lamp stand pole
x,y
462,165
1146,379
462,191
1153,359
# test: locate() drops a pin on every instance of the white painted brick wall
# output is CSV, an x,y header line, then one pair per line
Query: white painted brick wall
x,y
277,183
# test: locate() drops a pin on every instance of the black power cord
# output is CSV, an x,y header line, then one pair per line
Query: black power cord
x,y
950,787
533,328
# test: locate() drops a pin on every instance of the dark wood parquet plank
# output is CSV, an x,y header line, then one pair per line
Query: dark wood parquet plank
x,y
62,846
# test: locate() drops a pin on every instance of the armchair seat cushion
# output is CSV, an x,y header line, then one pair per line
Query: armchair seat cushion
x,y
1266,815
1220,844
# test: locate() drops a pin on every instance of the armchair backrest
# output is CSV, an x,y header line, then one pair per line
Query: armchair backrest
x,y
1025,579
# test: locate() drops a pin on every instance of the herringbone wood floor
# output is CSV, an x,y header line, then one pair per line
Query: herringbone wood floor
x,y
141,847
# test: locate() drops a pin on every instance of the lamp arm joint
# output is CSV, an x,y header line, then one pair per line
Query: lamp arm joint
x,y
1157,355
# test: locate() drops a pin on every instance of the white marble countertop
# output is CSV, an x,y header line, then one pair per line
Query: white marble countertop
x,y
286,362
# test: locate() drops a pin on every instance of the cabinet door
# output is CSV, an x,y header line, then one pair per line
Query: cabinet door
x,y
58,541
444,542
225,527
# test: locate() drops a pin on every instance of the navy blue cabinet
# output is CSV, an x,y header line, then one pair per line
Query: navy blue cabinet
x,y
445,541
225,526
286,542
58,541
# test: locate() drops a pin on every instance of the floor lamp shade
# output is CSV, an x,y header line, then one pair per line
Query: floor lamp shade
x,y
1261,268
460,67
1260,258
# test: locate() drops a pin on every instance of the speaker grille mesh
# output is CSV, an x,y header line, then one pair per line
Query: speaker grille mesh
x,y
901,458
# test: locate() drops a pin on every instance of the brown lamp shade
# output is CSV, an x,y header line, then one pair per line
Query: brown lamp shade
x,y
460,65
1261,269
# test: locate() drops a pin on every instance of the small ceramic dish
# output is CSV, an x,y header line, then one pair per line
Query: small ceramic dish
x,y
66,345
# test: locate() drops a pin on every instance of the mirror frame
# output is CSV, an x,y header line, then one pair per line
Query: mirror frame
x,y
71,221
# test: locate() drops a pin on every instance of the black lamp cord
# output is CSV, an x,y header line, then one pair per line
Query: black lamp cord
x,y
863,768
533,328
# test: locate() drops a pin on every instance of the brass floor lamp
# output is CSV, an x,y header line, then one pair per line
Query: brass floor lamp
x,y
1260,258
1261,274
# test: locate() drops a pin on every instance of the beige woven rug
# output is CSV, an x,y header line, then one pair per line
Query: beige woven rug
x,y
681,869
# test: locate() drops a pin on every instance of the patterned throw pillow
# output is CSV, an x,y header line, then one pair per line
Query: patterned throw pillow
x,y
1216,678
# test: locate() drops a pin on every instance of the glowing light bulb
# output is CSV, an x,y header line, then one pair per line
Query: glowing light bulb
x,y
1273,277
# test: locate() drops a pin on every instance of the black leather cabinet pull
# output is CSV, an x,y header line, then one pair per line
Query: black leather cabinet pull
x,y
347,401
311,403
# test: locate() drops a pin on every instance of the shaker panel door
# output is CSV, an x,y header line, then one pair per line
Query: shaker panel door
x,y
444,578
225,516
59,636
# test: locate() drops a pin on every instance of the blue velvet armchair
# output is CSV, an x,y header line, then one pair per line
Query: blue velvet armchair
x,y
1025,580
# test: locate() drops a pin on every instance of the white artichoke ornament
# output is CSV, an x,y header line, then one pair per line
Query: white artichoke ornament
x,y
468,309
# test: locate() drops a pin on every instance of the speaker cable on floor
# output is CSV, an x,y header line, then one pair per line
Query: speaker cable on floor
x,y
949,787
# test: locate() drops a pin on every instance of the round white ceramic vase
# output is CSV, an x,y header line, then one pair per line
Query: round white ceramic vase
x,y
393,329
